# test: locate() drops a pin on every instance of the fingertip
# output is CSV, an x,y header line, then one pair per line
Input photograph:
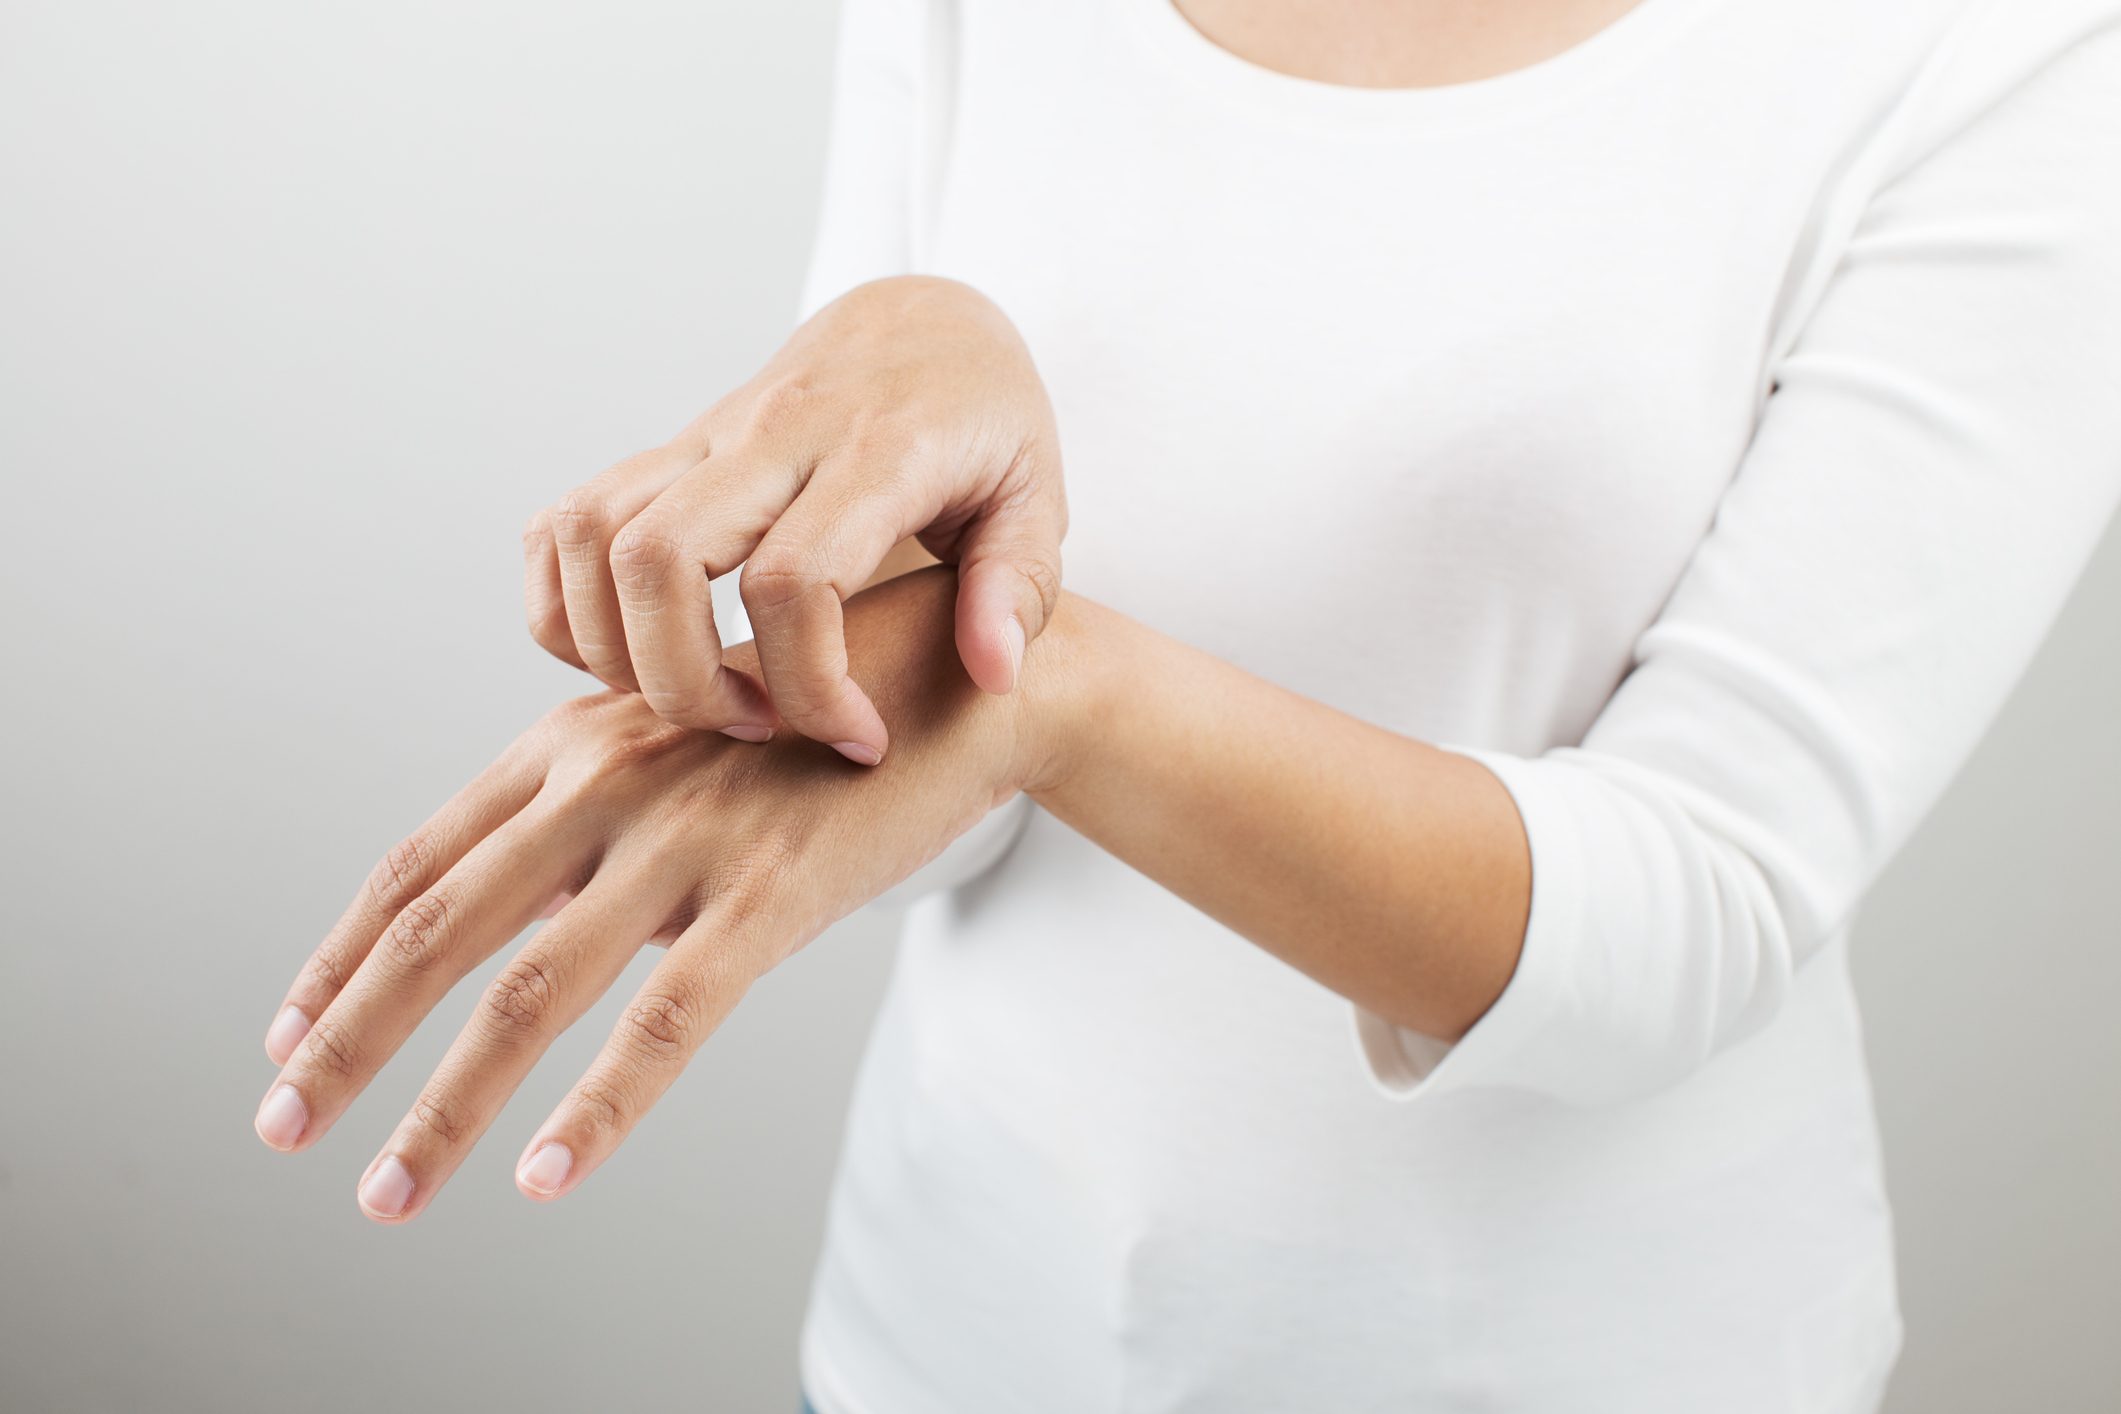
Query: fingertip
x,y
1013,648
990,659
282,1120
992,627
749,704
286,1033
542,1175
734,704
863,738
385,1193
837,713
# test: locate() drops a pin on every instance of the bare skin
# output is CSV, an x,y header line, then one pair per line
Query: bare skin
x,y
1399,43
907,407
738,854
1395,873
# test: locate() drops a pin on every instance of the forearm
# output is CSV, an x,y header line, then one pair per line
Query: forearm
x,y
1393,872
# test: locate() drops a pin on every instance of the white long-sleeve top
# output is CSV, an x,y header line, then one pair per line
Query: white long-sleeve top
x,y
1700,428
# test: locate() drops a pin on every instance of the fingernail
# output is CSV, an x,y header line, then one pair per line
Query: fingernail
x,y
282,1118
859,754
744,731
544,1171
288,1029
387,1189
1013,644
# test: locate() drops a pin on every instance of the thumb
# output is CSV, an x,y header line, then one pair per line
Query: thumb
x,y
1008,584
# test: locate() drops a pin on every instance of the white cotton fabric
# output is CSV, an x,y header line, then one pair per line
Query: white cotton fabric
x,y
1700,428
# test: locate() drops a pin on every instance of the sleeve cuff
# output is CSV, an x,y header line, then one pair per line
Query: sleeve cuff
x,y
1502,1047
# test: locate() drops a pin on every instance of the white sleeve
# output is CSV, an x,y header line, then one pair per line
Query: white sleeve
x,y
1936,463
889,99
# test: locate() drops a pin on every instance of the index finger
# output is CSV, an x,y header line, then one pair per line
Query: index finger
x,y
663,561
408,870
489,897
818,555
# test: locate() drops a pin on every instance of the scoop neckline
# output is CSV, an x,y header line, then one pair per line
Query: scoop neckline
x,y
1271,91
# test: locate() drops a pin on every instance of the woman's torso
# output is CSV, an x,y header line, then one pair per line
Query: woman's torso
x,y
1417,403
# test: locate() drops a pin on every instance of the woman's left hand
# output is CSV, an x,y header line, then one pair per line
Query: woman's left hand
x,y
741,854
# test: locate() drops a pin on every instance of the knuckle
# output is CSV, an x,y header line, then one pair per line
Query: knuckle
x,y
782,403
604,782
579,517
548,628
773,856
774,579
635,751
398,876
600,1103
332,1049
1044,578
754,885
660,1024
887,447
329,970
522,997
419,936
441,1115
572,717
644,554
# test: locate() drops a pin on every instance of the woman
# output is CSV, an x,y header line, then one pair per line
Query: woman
x,y
1556,491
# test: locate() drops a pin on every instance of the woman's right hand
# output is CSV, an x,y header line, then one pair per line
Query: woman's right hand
x,y
907,407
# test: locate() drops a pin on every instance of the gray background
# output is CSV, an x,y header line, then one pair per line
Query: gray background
x,y
302,311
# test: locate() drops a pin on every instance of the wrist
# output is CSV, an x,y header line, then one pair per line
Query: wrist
x,y
1058,694
901,648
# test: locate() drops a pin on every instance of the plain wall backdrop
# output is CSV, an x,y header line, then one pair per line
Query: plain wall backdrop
x,y
303,310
